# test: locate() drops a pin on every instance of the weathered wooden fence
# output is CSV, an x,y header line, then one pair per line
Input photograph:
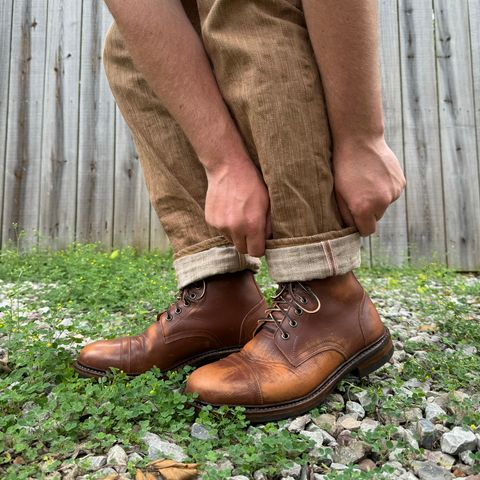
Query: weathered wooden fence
x,y
68,169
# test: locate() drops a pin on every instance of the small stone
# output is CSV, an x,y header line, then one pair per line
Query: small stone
x,y
412,415
338,466
466,457
440,458
238,477
317,476
327,438
355,410
259,475
406,436
105,472
426,433
317,437
430,471
366,465
434,412
363,398
399,356
345,438
117,456
407,476
396,454
298,424
94,463
294,471
335,402
134,458
326,421
350,454
200,432
458,440
159,448
347,422
368,425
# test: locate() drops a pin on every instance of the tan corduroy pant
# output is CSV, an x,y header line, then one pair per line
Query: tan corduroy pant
x,y
266,70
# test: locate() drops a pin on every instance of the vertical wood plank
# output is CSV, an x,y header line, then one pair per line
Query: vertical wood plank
x,y
96,157
474,24
24,138
424,195
60,120
457,129
390,243
132,209
6,9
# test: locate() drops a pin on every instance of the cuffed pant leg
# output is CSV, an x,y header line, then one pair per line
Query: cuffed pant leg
x,y
175,179
266,70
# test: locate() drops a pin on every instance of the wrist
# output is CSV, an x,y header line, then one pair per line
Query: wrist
x,y
354,142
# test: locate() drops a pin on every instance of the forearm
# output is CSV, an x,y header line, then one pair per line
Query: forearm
x,y
167,50
344,36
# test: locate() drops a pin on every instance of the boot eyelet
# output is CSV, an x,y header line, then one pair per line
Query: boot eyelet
x,y
293,323
298,311
168,318
186,303
285,335
193,296
303,300
178,310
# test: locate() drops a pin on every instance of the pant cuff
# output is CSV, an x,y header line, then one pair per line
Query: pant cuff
x,y
213,261
322,259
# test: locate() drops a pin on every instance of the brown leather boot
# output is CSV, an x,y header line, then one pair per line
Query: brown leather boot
x,y
314,335
210,319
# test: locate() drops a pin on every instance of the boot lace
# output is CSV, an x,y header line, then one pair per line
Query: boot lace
x,y
185,297
289,294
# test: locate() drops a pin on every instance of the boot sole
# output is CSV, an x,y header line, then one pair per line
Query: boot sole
x,y
363,363
196,361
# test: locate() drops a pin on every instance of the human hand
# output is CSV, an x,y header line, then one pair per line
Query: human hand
x,y
368,178
237,204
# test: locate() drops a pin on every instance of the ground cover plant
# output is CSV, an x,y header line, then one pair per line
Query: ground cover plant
x,y
413,418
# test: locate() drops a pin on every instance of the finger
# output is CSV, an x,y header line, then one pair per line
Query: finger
x,y
256,244
240,243
345,212
366,224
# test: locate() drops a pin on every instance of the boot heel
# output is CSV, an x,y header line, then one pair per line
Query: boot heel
x,y
376,360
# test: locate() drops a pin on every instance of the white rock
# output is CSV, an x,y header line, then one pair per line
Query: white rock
x,y
434,412
135,457
368,425
95,462
317,437
294,471
238,477
466,457
347,422
429,471
426,433
117,456
200,432
363,398
355,410
298,424
159,448
458,440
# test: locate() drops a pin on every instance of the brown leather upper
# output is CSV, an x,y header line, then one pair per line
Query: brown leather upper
x,y
294,351
210,315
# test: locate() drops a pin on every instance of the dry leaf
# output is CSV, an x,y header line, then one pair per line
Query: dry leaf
x,y
427,328
112,476
139,475
169,470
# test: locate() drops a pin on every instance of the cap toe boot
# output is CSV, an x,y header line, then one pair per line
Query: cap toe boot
x,y
209,320
315,334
